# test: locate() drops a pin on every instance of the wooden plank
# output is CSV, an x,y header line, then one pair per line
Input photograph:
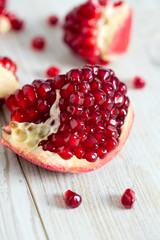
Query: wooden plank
x,y
18,215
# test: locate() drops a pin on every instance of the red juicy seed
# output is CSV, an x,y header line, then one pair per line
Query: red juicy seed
x,y
79,152
122,88
52,20
108,89
115,82
64,152
52,71
7,63
91,156
83,136
110,144
17,24
71,140
90,143
119,122
29,93
99,136
99,126
88,129
64,128
104,75
87,73
89,100
48,147
37,83
62,104
84,87
95,117
85,114
65,117
77,124
32,114
44,90
108,104
102,152
67,90
118,99
76,99
111,132
122,113
74,75
19,116
11,103
95,84
72,199
126,102
139,82
74,110
128,198
57,139
38,43
117,4
20,99
59,81
112,121
114,112
100,97
52,97
43,106
105,114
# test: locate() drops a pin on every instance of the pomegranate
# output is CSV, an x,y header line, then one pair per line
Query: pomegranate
x,y
75,122
98,31
72,199
128,198
52,71
139,82
52,20
8,79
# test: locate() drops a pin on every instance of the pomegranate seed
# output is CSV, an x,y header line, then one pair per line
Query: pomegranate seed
x,y
79,152
76,99
52,71
57,139
102,152
19,116
77,124
128,198
72,199
59,81
64,152
122,88
17,24
74,75
91,156
52,20
38,43
29,93
111,144
139,82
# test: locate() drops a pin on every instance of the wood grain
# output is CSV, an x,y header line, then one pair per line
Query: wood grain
x,y
31,198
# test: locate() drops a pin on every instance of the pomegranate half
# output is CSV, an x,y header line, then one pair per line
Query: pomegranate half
x,y
98,31
75,122
8,80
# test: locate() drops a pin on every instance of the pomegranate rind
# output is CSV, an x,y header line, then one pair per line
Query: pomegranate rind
x,y
54,162
8,82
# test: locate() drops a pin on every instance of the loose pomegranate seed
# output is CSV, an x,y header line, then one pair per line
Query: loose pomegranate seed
x,y
128,198
72,199
52,71
38,43
17,24
92,109
139,82
52,20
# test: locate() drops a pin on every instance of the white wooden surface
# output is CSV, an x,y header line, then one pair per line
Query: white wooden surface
x,y
31,198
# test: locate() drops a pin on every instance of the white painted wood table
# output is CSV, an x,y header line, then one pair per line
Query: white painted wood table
x,y
31,198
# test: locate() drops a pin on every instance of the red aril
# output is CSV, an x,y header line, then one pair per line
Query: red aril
x,y
52,71
72,199
64,123
38,43
139,82
128,198
52,20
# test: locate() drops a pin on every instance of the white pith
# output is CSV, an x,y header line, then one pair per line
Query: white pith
x,y
110,22
8,82
5,25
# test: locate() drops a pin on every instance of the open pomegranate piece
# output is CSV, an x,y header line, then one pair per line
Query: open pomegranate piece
x,y
8,80
75,122
98,31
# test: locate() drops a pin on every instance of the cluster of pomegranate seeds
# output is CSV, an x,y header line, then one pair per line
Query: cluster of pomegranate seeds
x,y
139,82
128,198
93,105
38,43
52,20
32,103
72,199
52,71
81,31
8,64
